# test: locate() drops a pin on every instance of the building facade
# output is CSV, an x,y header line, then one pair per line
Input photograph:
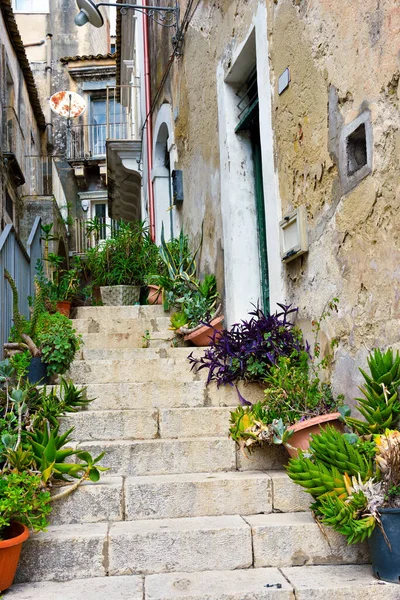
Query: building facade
x,y
282,118
66,58
22,127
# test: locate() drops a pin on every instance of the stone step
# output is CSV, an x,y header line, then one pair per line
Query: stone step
x,y
76,551
197,495
242,584
139,424
262,458
162,457
93,588
353,582
347,582
91,503
295,539
163,339
164,394
180,495
122,325
194,422
145,424
138,353
69,552
99,341
287,497
108,313
167,545
65,552
148,395
132,371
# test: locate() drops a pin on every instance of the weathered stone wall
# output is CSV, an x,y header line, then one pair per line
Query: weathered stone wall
x,y
344,59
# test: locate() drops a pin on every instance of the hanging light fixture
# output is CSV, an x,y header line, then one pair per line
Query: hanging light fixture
x,y
89,13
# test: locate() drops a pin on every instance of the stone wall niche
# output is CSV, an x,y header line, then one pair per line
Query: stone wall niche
x,y
355,152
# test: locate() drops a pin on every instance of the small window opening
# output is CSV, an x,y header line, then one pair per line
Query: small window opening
x,y
9,206
356,147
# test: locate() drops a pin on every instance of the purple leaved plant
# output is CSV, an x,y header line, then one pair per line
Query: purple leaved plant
x,y
249,348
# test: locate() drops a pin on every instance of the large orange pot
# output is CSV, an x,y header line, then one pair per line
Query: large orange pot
x,y
64,307
155,295
300,439
10,549
203,335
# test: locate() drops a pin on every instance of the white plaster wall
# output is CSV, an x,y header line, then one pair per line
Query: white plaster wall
x,y
240,235
239,221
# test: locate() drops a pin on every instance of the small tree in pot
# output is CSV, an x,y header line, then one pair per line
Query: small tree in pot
x,y
118,265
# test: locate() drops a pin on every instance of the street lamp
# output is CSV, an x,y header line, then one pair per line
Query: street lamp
x,y
89,13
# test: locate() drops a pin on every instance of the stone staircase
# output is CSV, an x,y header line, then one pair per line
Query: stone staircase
x,y
180,514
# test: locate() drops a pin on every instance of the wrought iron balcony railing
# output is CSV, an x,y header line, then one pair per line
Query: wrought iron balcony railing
x,y
118,121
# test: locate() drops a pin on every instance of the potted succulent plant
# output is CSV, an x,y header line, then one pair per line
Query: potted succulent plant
x,y
354,478
198,319
34,458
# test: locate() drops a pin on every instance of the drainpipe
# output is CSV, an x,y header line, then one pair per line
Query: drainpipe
x,y
149,132
49,114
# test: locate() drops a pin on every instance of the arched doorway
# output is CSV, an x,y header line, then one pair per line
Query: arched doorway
x,y
164,158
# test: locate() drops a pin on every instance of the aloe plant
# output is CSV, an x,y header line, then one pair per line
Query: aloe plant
x,y
380,406
50,455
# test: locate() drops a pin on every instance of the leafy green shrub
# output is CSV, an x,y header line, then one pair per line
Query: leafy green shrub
x,y
58,342
23,499
124,258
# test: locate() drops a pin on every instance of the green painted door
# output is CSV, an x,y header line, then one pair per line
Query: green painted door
x,y
260,210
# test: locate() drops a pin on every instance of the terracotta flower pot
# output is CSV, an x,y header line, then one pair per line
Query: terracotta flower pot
x,y
64,307
155,294
10,550
300,439
204,335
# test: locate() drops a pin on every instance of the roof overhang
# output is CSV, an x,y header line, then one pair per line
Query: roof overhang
x,y
18,45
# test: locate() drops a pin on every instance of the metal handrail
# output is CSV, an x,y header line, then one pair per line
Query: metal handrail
x,y
20,262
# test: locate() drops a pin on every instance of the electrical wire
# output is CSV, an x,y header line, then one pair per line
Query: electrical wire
x,y
187,17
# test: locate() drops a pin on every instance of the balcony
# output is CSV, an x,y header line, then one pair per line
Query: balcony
x,y
114,119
